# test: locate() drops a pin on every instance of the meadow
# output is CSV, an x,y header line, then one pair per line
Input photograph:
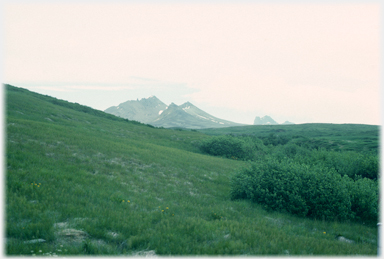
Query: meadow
x,y
82,182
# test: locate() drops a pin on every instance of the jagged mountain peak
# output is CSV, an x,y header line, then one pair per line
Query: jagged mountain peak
x,y
152,98
266,120
266,117
144,110
152,111
172,105
186,104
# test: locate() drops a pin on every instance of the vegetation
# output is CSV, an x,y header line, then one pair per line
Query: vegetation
x,y
334,137
307,190
310,182
89,183
230,147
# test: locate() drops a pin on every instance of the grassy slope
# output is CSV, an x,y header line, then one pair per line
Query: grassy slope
x,y
76,168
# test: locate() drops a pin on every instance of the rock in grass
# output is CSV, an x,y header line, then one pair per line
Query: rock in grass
x,y
33,241
145,253
343,239
60,225
70,232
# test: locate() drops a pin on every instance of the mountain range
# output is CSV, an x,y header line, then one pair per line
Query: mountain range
x,y
154,112
267,120
145,110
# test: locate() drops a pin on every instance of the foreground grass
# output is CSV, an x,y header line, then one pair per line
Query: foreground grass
x,y
128,188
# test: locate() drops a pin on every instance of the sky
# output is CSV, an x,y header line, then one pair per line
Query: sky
x,y
298,62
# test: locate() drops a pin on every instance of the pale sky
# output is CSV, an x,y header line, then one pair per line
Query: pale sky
x,y
304,63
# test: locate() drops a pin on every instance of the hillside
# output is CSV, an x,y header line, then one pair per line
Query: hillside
x,y
83,182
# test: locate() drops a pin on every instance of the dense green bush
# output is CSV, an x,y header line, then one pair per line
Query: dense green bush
x,y
354,164
274,187
230,147
314,143
314,191
364,196
350,163
276,139
326,194
292,151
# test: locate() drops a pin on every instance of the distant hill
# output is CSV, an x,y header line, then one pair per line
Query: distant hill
x,y
154,112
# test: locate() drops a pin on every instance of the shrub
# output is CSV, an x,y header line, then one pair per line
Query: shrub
x,y
364,196
229,147
276,139
326,194
314,191
349,163
277,187
239,184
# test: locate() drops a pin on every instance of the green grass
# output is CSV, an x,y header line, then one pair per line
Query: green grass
x,y
70,167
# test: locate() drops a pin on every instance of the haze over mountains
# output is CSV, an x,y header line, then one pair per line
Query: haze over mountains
x,y
154,112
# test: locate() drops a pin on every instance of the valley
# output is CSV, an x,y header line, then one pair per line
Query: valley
x,y
85,182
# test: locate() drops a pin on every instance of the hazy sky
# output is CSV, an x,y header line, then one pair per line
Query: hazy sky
x,y
297,62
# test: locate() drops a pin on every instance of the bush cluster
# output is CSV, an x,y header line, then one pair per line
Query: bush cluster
x,y
351,163
306,190
230,147
287,175
365,199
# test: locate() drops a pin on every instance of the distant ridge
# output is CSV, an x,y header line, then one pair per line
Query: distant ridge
x,y
154,112
267,120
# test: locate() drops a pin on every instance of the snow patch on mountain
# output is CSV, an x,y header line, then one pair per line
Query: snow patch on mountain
x,y
202,117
